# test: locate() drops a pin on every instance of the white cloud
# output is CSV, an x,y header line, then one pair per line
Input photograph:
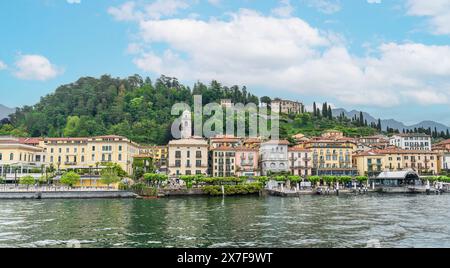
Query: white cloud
x,y
284,10
3,65
155,10
374,1
215,2
74,1
35,67
287,54
325,6
437,12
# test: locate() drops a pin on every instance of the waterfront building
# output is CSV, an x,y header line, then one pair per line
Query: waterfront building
x,y
188,157
274,157
370,163
394,159
247,162
373,140
286,106
89,153
412,141
332,156
300,138
158,154
443,146
396,179
300,161
223,161
333,134
253,143
446,162
224,141
19,158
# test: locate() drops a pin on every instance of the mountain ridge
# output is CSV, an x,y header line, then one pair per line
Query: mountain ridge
x,y
5,111
392,123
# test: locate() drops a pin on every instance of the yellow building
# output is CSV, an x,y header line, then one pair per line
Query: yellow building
x,y
88,153
369,163
331,156
223,161
188,157
158,154
394,159
19,159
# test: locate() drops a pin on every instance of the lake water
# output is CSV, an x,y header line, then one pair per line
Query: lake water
x,y
309,221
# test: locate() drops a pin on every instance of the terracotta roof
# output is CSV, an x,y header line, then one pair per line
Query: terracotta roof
x,y
279,142
368,153
402,151
296,149
30,140
224,148
109,137
66,139
443,142
412,135
224,139
246,149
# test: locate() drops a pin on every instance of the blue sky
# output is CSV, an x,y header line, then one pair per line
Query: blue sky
x,y
389,58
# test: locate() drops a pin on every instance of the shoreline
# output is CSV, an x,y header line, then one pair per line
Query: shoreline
x,y
38,195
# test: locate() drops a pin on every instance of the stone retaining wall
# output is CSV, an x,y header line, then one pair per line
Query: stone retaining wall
x,y
67,195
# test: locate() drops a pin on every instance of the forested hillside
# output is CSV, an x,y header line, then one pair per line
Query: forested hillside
x,y
134,107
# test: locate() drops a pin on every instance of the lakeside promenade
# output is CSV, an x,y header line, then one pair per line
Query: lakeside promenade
x,y
56,192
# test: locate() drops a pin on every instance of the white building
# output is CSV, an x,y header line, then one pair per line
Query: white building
x,y
446,162
186,125
412,141
286,106
274,157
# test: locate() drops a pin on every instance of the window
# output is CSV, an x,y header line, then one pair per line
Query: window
x,y
82,158
120,157
93,148
120,148
177,163
11,156
52,150
67,150
93,157
1,157
198,154
178,154
198,163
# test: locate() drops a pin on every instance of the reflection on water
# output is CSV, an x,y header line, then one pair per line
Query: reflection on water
x,y
310,221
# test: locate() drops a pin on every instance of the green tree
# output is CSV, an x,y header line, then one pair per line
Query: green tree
x,y
27,180
266,100
109,176
155,179
314,180
70,178
362,179
72,126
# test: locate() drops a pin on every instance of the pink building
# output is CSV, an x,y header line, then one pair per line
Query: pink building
x,y
247,161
